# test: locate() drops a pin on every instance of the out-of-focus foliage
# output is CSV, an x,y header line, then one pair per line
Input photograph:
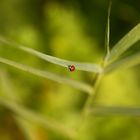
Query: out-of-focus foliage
x,y
72,30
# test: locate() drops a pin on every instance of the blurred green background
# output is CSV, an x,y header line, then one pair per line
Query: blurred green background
x,y
72,30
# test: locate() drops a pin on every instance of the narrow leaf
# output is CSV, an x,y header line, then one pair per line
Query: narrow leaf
x,y
61,62
107,111
125,43
107,35
124,63
79,85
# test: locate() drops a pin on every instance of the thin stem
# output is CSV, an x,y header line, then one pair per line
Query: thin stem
x,y
92,96
100,75
85,111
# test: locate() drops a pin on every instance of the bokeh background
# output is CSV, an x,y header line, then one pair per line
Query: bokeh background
x,y
72,30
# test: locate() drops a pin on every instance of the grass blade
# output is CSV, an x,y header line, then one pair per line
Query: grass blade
x,y
107,35
37,118
124,63
76,84
107,111
61,62
125,43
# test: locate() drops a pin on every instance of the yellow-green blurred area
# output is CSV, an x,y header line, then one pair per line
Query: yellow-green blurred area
x,y
72,30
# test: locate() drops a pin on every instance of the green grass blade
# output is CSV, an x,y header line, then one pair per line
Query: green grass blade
x,y
124,63
37,118
107,35
125,43
76,84
107,111
61,62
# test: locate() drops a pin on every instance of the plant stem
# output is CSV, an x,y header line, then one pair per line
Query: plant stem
x,y
93,95
85,111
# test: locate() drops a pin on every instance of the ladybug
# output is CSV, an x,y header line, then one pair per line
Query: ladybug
x,y
71,68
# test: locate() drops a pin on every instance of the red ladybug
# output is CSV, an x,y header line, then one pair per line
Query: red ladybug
x,y
71,68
